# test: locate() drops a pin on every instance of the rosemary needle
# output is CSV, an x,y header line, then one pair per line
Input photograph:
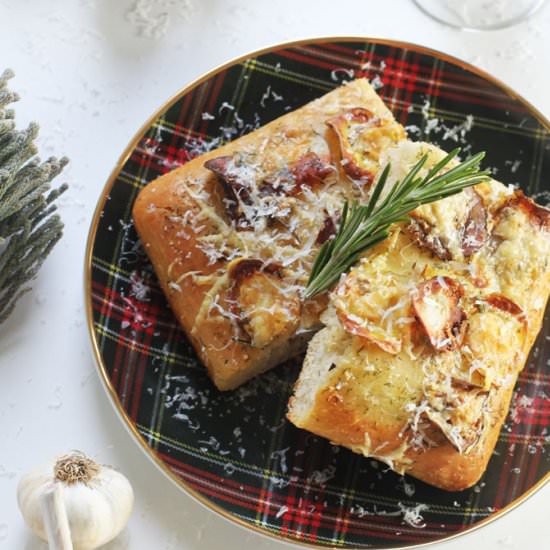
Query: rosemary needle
x,y
363,226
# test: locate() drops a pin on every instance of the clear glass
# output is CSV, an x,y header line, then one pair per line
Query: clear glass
x,y
479,15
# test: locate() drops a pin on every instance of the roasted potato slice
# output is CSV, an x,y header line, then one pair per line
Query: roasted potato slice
x,y
265,310
436,307
362,137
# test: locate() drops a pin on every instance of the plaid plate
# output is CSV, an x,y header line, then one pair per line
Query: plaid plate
x,y
235,450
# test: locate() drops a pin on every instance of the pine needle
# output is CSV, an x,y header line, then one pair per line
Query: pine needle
x,y
29,224
363,226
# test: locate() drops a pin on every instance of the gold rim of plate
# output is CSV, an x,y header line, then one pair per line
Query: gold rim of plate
x,y
180,483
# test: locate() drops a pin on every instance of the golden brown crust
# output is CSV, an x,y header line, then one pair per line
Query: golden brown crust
x,y
442,466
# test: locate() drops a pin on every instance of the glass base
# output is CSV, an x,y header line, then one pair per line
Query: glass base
x,y
479,15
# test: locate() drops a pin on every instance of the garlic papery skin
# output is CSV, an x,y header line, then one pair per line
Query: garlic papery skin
x,y
97,500
54,515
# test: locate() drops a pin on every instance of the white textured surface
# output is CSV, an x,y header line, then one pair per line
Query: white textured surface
x,y
91,81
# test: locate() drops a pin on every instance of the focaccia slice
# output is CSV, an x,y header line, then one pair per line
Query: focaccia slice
x,y
424,342
233,234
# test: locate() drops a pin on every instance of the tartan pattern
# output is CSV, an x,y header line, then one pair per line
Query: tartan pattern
x,y
236,449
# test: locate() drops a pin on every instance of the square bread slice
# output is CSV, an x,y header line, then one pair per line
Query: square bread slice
x,y
425,337
232,234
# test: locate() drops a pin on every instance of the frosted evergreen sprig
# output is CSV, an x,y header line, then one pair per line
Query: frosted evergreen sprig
x,y
29,225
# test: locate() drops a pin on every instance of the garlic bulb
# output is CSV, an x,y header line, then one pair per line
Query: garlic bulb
x,y
75,503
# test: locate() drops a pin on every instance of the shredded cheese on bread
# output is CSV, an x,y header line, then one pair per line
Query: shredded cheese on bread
x,y
425,342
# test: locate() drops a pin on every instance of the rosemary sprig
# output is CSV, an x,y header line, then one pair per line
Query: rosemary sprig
x,y
363,226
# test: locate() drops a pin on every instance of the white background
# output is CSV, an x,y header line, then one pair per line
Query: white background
x,y
90,80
